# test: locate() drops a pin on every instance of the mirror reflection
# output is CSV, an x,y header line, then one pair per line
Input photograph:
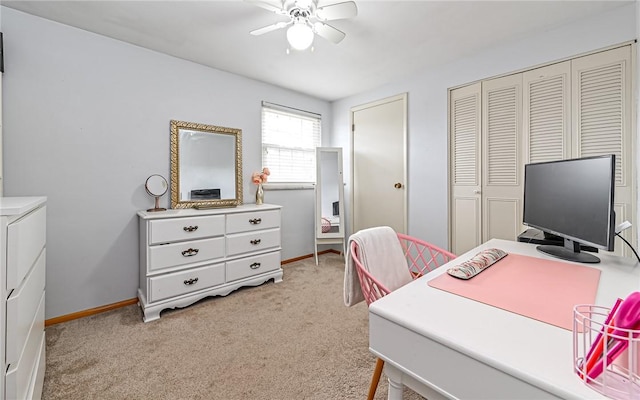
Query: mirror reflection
x,y
206,166
156,185
330,179
329,219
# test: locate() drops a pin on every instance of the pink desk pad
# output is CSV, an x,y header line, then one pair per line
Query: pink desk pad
x,y
544,290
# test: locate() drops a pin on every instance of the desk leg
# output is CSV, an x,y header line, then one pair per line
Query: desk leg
x,y
395,382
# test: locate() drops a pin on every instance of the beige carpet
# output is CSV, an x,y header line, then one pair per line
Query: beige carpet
x,y
290,340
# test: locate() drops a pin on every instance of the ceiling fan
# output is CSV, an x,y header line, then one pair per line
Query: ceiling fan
x,y
306,19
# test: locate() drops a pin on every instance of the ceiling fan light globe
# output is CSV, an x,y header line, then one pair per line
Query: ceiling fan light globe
x,y
300,36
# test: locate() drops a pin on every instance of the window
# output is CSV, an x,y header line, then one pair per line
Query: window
x,y
289,141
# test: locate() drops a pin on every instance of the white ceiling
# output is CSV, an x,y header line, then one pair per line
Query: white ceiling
x,y
386,41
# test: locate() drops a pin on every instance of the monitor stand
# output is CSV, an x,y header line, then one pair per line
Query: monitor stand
x,y
570,252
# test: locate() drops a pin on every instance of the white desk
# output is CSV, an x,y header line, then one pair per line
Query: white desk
x,y
446,346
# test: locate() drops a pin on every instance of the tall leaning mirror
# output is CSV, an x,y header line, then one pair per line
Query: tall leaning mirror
x,y
329,190
206,165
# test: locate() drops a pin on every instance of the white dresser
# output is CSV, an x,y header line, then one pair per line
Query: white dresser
x,y
188,254
22,348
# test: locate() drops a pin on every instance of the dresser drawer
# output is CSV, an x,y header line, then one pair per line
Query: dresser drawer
x,y
183,282
177,229
25,240
22,307
19,379
252,221
241,243
170,255
249,266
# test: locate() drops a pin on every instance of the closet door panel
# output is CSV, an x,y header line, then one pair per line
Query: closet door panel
x,y
465,224
502,157
546,112
464,170
502,213
602,101
602,121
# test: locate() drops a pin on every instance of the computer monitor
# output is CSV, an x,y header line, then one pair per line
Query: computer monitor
x,y
574,200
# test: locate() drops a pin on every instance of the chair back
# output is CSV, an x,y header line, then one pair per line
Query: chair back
x,y
422,257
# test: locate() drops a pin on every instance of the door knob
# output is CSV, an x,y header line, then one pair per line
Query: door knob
x,y
398,185
477,191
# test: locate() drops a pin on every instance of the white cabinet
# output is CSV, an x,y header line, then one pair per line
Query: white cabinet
x,y
188,254
22,348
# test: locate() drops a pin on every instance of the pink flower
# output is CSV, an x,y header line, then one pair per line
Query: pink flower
x,y
259,178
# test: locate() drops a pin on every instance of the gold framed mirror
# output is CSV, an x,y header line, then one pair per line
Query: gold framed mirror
x,y
206,165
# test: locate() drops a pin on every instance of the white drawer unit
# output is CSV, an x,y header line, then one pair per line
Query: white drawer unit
x,y
240,243
172,230
183,282
180,253
22,305
248,266
23,246
253,221
189,254
25,241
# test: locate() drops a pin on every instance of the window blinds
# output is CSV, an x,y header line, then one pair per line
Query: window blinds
x,y
289,141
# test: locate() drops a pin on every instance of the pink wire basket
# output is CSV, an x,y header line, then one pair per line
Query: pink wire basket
x,y
613,370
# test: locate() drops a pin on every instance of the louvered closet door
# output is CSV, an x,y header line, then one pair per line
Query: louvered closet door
x,y
502,158
546,111
464,170
602,123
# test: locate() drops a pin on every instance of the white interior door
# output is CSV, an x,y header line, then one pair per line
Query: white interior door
x,y
602,112
546,112
465,167
502,159
379,164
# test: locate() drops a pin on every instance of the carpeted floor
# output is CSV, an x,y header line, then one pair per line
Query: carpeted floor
x,y
290,340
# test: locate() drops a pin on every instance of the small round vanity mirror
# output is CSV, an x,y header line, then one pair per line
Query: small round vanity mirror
x,y
156,186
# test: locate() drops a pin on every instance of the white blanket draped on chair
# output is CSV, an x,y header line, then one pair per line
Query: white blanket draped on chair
x,y
381,254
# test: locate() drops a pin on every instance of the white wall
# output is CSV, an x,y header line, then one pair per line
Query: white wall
x,y
1,163
427,97
86,121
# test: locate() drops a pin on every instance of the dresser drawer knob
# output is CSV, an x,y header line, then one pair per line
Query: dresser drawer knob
x,y
255,221
255,241
255,265
191,281
190,252
190,228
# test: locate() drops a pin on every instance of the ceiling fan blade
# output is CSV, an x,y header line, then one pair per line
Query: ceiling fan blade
x,y
348,9
269,28
328,32
271,5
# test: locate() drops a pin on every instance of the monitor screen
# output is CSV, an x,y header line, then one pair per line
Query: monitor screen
x,y
572,199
